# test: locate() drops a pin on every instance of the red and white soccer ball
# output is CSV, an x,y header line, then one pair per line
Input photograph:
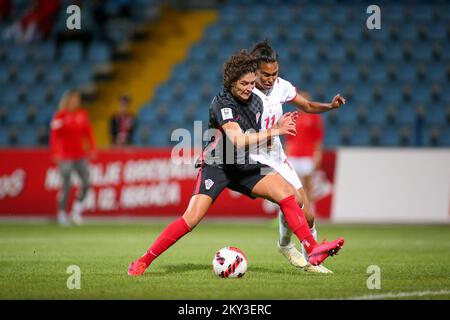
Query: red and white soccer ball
x,y
230,262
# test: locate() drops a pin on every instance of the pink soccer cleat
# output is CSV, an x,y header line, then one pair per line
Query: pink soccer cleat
x,y
137,268
324,250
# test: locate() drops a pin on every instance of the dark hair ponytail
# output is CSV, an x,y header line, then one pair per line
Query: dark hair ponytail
x,y
263,52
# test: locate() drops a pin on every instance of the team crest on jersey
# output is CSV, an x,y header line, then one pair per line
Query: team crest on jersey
x,y
208,184
258,115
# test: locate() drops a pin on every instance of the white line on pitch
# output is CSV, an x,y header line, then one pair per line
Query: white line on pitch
x,y
399,295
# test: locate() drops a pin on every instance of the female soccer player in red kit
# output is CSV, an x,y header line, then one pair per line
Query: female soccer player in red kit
x,y
70,130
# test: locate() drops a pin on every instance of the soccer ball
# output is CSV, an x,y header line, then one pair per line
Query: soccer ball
x,y
230,262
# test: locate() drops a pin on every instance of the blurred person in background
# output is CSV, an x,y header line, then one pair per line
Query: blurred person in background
x,y
305,150
122,123
36,22
70,130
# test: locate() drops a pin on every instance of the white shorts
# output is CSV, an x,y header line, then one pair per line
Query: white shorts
x,y
304,166
286,170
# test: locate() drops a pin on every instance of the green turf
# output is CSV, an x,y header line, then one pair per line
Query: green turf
x,y
34,259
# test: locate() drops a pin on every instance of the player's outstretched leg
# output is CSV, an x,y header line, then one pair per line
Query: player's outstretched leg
x,y
295,217
287,248
273,187
198,206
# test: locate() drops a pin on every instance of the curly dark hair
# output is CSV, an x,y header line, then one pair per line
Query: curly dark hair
x,y
263,52
236,66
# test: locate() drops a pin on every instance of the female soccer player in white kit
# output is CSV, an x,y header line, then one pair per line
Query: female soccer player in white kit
x,y
275,91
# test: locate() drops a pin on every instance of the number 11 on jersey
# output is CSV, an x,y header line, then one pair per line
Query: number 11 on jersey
x,y
271,121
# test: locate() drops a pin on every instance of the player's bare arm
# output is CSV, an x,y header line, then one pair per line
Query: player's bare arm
x,y
285,126
307,106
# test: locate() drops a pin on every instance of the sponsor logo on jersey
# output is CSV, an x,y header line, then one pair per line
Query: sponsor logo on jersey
x,y
226,113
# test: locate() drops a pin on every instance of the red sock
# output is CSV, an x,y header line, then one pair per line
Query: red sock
x,y
296,220
166,239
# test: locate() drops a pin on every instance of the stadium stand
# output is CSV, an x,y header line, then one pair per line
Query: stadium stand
x,y
395,79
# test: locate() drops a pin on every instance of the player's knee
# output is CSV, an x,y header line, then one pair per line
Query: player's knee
x,y
287,190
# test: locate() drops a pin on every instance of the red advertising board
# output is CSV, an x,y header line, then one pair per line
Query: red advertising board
x,y
139,182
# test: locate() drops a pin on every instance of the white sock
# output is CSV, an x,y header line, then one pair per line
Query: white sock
x,y
314,231
62,214
285,231
77,209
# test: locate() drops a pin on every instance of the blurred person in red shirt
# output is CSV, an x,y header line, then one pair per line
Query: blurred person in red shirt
x,y
306,148
122,123
35,23
72,145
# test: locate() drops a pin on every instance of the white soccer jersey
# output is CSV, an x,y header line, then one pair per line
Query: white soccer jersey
x,y
282,91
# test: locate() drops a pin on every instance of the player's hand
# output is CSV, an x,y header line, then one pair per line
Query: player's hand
x,y
293,115
337,101
286,125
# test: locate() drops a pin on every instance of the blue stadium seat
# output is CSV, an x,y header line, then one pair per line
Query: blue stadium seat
x,y
421,13
98,52
332,139
10,95
72,52
380,34
390,136
422,51
393,12
81,74
394,52
17,54
376,115
444,137
437,32
365,52
360,136
378,73
406,114
336,52
4,74
55,73
347,116
17,116
44,115
350,73
4,136
37,94
392,94
406,72
337,15
352,32
435,115
43,52
27,74
436,72
27,136
408,31
311,14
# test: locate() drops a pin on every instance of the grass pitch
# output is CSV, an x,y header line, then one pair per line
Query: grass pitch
x,y
34,259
